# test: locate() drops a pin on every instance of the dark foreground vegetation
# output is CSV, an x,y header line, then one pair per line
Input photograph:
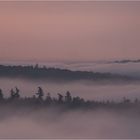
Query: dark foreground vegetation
x,y
36,72
39,100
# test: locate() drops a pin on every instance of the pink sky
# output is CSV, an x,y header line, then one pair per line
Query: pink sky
x,y
73,31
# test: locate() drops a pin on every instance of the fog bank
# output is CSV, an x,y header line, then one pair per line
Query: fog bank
x,y
72,124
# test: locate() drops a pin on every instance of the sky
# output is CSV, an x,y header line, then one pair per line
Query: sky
x,y
69,31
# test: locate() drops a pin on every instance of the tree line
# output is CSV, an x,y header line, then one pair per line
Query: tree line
x,y
67,100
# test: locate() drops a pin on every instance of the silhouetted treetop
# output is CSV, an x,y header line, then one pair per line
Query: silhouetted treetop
x,y
40,93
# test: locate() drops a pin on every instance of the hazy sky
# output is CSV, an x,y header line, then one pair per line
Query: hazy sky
x,y
74,31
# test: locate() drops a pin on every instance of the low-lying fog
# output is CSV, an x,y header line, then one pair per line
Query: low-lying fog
x,y
74,124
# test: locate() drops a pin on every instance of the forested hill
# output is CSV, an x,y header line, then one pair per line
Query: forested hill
x,y
37,72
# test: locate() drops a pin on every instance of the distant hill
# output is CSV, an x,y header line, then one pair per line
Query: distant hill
x,y
37,72
127,61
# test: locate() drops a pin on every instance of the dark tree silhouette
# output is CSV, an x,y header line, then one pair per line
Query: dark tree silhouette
x,y
40,93
60,98
48,99
15,94
12,93
68,97
36,66
136,101
125,100
1,94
